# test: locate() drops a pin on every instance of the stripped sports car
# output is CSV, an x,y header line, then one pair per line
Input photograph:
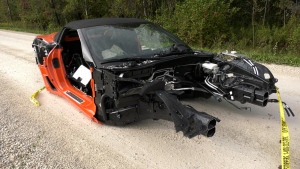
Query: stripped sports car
x,y
122,70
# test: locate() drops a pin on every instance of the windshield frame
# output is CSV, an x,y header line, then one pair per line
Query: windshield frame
x,y
98,61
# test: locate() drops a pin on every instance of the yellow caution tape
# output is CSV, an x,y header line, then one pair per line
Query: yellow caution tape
x,y
285,137
33,99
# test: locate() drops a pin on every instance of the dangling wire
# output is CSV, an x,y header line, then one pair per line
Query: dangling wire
x,y
287,109
240,108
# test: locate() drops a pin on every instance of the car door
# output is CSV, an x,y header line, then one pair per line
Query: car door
x,y
58,76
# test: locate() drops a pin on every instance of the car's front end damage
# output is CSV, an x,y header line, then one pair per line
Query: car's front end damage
x,y
134,93
119,71
137,90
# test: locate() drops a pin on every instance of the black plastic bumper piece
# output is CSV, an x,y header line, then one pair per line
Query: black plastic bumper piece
x,y
187,119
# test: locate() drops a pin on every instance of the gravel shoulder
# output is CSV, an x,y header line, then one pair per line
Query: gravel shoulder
x,y
57,135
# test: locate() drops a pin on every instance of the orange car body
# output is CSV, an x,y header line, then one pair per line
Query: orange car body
x,y
57,77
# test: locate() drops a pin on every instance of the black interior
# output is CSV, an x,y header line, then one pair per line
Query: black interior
x,y
72,58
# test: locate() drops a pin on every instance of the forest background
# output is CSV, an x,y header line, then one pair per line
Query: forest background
x,y
265,30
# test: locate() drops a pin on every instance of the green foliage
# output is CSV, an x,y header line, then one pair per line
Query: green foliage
x,y
201,22
74,9
287,59
268,30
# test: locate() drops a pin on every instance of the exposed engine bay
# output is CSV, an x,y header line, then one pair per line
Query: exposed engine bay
x,y
226,76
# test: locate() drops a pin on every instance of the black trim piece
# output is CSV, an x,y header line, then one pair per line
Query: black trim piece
x,y
55,63
51,84
102,21
74,97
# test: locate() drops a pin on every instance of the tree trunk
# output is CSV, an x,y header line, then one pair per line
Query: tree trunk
x,y
145,8
86,9
9,11
266,6
284,17
284,10
253,20
55,13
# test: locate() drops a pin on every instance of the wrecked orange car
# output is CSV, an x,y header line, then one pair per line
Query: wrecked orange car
x,y
122,70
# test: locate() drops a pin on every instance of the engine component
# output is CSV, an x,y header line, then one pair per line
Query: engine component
x,y
210,67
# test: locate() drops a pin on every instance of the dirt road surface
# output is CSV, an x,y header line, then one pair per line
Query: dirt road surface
x,y
57,135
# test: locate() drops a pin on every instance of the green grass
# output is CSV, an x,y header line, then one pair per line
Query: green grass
x,y
18,26
285,59
263,57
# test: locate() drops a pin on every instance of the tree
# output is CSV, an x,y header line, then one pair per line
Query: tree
x,y
55,12
9,11
200,22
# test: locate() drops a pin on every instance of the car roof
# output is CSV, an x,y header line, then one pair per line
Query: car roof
x,y
102,21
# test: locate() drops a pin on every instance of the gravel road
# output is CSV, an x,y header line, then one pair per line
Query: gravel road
x,y
57,135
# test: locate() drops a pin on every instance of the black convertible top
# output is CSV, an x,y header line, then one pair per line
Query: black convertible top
x,y
102,21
